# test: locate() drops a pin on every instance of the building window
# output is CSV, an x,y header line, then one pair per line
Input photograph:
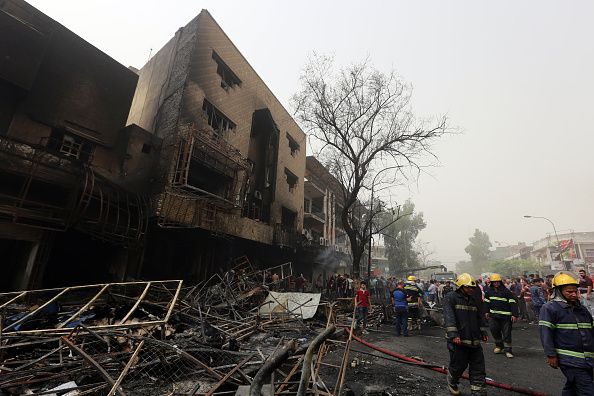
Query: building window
x,y
70,145
291,180
293,145
146,148
228,78
216,119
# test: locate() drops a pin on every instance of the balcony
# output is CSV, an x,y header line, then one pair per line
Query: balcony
x,y
312,190
315,216
313,212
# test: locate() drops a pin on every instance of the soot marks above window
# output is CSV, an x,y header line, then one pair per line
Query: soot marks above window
x,y
217,120
71,145
228,78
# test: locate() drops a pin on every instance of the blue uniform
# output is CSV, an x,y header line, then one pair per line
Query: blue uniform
x,y
401,312
566,331
400,299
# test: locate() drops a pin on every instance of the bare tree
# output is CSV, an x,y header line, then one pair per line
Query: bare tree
x,y
361,122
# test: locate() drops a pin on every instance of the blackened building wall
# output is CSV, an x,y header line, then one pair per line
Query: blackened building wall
x,y
198,73
71,176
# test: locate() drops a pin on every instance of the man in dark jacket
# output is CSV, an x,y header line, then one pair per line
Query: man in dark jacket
x,y
502,311
466,328
538,297
567,336
414,295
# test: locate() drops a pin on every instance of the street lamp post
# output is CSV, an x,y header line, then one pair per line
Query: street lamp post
x,y
554,230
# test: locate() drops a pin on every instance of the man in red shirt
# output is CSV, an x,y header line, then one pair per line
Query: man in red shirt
x,y
363,304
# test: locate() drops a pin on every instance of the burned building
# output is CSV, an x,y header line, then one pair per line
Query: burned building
x,y
325,248
232,159
73,176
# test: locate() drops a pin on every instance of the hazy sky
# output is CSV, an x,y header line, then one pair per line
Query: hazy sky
x,y
516,76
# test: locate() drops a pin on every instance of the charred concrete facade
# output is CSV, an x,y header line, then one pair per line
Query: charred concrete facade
x,y
232,162
324,248
73,177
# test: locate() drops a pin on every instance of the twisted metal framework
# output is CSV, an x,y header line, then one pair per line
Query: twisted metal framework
x,y
184,205
45,190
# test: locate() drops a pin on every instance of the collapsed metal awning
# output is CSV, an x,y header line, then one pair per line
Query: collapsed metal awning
x,y
100,306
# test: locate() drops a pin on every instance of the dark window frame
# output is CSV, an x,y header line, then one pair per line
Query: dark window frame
x,y
292,180
293,145
71,145
228,78
218,121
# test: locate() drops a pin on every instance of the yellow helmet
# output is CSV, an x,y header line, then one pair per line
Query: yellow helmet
x,y
465,279
495,278
412,278
563,278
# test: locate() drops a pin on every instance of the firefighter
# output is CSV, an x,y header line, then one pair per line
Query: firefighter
x,y
567,336
466,327
413,297
502,310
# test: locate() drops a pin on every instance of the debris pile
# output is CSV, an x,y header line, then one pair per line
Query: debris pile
x,y
228,335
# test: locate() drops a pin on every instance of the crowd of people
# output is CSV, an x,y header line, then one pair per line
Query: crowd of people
x,y
559,304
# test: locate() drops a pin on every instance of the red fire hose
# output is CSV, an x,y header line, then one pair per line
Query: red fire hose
x,y
444,371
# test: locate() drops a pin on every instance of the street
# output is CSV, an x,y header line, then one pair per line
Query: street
x,y
526,370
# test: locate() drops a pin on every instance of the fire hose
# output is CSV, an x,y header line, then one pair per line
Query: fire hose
x,y
420,363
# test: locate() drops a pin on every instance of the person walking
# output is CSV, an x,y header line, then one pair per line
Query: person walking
x,y
400,310
414,295
465,327
501,311
363,304
538,297
527,297
567,336
432,292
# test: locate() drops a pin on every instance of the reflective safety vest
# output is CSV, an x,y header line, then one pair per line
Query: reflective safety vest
x,y
567,331
500,302
414,293
464,317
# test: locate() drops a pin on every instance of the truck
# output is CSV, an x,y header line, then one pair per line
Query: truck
x,y
444,276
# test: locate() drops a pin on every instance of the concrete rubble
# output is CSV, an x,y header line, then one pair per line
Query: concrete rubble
x,y
227,335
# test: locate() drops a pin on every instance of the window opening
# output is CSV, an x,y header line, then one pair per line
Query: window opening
x,y
291,180
217,120
293,145
228,78
70,145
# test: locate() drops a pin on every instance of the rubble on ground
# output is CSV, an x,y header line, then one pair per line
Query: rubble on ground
x,y
228,335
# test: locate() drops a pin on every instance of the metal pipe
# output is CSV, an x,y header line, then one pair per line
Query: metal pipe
x,y
273,362
309,354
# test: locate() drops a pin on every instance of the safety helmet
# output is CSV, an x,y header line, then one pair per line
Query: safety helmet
x,y
465,279
563,278
495,278
411,278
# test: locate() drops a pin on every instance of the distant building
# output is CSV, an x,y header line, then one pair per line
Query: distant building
x,y
577,251
511,252
324,247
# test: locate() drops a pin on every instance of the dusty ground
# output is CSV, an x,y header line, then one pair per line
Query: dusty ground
x,y
375,375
